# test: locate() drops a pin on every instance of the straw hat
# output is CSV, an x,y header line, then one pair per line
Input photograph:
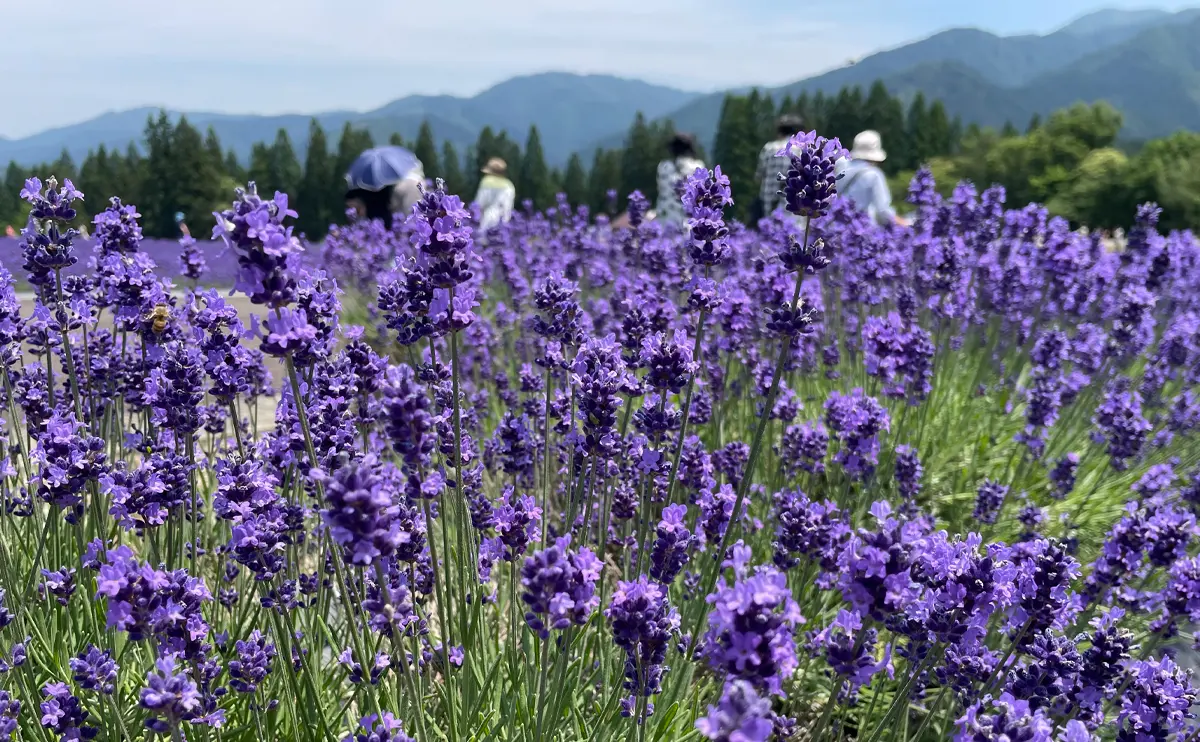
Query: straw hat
x,y
495,166
868,146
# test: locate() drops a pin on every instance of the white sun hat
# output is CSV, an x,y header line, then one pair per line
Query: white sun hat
x,y
868,146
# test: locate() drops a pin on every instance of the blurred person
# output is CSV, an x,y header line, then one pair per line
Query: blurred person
x,y
9,231
496,194
770,165
183,227
865,184
672,173
382,182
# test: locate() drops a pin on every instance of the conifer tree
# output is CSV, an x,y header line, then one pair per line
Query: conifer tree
x,y
426,151
535,181
312,202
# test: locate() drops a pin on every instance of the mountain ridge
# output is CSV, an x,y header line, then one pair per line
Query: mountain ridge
x,y
577,108
1140,60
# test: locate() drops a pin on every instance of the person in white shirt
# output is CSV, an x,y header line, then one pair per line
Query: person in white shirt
x,y
672,174
496,195
864,184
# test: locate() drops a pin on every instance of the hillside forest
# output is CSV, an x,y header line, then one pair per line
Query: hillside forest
x,y
1073,161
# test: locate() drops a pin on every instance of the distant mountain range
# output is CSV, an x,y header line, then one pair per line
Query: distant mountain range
x,y
1146,63
570,110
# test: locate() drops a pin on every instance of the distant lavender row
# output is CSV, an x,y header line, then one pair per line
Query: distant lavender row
x,y
221,266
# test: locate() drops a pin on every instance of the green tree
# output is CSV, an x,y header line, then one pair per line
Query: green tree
x,y
452,172
535,183
916,121
97,180
605,176
198,180
313,205
639,160
259,171
10,199
64,167
212,147
939,136
426,151
285,170
129,174
1009,130
1097,192
885,114
736,150
158,201
485,148
847,114
574,182
234,169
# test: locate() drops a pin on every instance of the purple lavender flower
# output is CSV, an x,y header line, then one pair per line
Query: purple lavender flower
x,y
643,623
750,629
117,230
516,522
63,714
60,583
1119,419
1062,476
69,459
266,250
804,448
191,260
95,670
409,424
857,420
989,501
1004,718
740,716
907,472
559,587
6,616
1157,702
668,360
146,602
705,196
849,651
46,246
805,529
10,708
363,513
440,229
171,696
810,183
672,545
253,663
375,729
146,496
598,374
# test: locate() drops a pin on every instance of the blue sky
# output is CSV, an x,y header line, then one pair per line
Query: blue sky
x,y
81,58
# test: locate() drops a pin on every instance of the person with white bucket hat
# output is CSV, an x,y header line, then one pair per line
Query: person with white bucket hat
x,y
865,184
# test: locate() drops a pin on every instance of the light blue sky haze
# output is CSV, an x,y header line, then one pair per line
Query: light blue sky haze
x,y
73,59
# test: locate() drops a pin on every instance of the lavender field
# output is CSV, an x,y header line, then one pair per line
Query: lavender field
x,y
809,479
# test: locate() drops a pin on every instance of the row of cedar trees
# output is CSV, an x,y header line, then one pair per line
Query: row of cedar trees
x,y
180,169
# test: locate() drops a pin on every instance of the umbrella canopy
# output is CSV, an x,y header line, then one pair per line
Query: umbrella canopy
x,y
381,167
